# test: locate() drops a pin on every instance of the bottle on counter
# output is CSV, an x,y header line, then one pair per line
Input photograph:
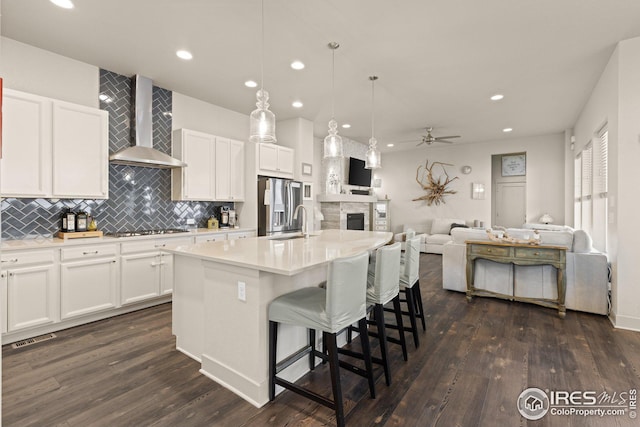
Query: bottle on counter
x,y
92,225
212,223
81,221
71,221
63,224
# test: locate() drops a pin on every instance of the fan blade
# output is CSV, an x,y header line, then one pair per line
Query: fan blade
x,y
444,140
406,140
438,138
420,143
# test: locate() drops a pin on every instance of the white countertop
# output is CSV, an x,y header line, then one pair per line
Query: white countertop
x,y
287,257
54,242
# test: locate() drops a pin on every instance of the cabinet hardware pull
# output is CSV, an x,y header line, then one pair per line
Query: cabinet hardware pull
x,y
161,246
536,253
13,260
90,253
11,274
114,261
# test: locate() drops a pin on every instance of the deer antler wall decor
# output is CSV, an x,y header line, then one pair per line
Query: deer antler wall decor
x,y
435,189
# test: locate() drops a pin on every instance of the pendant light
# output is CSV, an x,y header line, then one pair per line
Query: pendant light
x,y
372,159
333,141
262,122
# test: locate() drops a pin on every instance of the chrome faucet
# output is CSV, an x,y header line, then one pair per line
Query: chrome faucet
x,y
305,225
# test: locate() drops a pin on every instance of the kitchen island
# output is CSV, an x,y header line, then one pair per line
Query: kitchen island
x,y
222,293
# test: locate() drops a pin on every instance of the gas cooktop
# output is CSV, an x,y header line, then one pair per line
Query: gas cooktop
x,y
146,232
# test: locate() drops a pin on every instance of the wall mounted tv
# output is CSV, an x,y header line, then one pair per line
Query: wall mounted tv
x,y
358,175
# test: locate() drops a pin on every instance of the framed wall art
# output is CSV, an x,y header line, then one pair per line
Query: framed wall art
x,y
514,164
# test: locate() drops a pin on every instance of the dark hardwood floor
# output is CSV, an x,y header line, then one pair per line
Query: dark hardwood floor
x,y
473,362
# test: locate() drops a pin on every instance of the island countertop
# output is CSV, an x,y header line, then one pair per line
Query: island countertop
x,y
286,256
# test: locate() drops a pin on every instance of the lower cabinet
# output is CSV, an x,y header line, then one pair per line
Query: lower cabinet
x,y
88,286
31,296
140,277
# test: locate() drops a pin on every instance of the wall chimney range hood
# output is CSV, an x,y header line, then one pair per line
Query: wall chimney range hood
x,y
142,152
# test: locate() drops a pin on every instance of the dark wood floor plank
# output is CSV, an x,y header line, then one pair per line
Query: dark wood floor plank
x,y
474,360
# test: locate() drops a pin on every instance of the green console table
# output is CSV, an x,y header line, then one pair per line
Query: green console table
x,y
519,254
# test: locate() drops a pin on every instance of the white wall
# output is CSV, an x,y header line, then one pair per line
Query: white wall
x,y
33,70
616,101
545,179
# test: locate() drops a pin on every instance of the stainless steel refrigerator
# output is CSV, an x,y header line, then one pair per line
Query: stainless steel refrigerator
x,y
277,199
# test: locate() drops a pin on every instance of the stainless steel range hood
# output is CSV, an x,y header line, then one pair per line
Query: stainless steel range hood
x,y
142,153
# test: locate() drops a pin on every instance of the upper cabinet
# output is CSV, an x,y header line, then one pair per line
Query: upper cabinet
x,y
196,181
275,160
80,151
53,148
215,167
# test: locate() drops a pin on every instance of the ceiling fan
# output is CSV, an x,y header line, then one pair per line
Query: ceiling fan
x,y
430,139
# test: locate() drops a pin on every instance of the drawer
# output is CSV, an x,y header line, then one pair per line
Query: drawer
x,y
83,252
538,253
164,242
241,235
490,250
211,238
10,259
152,245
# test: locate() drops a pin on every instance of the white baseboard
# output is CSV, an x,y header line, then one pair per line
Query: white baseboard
x,y
625,322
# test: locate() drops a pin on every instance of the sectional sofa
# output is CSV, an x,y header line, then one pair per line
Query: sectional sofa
x,y
587,269
433,233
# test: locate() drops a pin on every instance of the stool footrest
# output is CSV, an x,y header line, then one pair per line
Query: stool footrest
x,y
360,356
306,393
293,358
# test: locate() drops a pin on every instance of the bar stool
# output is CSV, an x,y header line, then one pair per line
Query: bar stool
x,y
330,310
410,286
382,288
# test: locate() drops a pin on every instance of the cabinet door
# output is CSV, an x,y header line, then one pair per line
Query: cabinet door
x,y
199,175
88,286
31,297
222,169
80,151
3,301
236,170
166,273
268,157
140,277
26,145
285,160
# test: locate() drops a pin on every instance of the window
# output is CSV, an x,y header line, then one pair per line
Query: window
x,y
591,189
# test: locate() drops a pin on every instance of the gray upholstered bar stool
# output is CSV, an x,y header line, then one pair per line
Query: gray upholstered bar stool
x,y
383,288
410,286
330,310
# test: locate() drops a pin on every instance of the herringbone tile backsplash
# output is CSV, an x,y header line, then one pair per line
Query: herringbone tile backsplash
x,y
139,198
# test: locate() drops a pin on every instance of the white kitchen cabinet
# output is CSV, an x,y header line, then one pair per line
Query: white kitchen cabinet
x,y
229,169
275,160
88,280
240,235
197,180
211,238
53,148
80,151
30,281
146,272
26,151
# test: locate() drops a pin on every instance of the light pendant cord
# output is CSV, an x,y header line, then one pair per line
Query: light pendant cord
x,y
262,46
333,83
373,102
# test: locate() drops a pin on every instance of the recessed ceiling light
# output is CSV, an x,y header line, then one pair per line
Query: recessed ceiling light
x,y
497,97
389,145
297,104
104,98
507,130
297,65
250,83
346,125
66,4
184,54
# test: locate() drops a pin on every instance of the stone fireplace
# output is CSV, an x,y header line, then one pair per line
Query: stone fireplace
x,y
337,209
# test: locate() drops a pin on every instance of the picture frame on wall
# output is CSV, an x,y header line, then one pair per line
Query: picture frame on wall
x,y
306,169
307,191
514,164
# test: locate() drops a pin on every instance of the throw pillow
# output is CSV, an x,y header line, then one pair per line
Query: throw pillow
x,y
441,226
454,225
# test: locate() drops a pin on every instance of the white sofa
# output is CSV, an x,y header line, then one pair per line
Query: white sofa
x,y
587,269
433,233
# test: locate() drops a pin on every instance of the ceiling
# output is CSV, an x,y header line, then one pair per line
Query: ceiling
x,y
438,61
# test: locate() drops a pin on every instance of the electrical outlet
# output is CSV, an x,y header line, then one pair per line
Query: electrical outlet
x,y
191,221
242,291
